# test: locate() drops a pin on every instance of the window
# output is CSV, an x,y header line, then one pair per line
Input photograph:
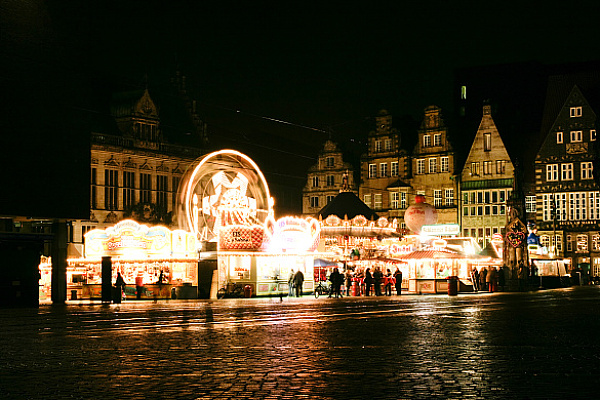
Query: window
x,y
487,142
162,191
592,135
403,203
111,183
383,169
530,204
559,137
394,168
487,167
128,189
566,172
500,166
494,197
475,168
437,198
426,140
444,164
93,194
175,186
582,243
420,166
329,198
552,172
315,181
388,145
329,161
463,92
378,201
437,139
449,197
367,199
330,180
433,165
596,242
587,169
378,146
314,201
394,196
576,136
575,112
569,243
146,188
465,198
372,170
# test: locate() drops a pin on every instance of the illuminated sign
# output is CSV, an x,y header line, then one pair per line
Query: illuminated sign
x,y
441,229
295,234
130,239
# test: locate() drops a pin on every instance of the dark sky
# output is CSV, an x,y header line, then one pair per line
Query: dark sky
x,y
317,64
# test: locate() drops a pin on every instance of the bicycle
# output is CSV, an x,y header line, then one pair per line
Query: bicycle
x,y
231,290
321,289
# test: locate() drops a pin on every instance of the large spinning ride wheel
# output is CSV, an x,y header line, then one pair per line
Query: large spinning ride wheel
x,y
225,189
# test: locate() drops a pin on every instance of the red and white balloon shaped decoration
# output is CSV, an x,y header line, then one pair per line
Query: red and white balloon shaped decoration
x,y
420,214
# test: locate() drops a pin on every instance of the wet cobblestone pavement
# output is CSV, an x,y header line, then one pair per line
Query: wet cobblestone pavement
x,y
536,345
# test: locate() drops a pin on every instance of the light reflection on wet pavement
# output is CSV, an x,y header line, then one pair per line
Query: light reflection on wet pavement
x,y
493,346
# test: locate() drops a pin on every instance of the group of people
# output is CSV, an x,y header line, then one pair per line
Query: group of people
x,y
295,283
368,283
492,279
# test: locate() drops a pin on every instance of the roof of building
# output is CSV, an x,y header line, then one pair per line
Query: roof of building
x,y
347,204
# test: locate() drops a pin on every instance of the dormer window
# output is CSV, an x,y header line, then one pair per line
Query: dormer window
x,y
576,136
427,141
487,142
575,112
559,137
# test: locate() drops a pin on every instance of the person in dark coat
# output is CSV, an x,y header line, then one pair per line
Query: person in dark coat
x,y
501,278
368,282
348,278
398,278
120,284
483,279
377,277
298,283
336,282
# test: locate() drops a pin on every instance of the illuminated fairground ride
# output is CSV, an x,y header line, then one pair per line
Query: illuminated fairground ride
x,y
226,198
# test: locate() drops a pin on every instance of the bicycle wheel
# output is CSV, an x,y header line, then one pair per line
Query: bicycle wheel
x,y
221,293
317,290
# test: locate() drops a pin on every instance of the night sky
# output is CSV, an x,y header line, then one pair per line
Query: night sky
x,y
327,66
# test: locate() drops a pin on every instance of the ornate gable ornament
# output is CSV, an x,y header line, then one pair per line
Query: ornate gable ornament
x,y
111,218
162,167
177,169
129,164
145,106
145,166
111,162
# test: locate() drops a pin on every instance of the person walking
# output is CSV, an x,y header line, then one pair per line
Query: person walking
x,y
120,285
398,278
291,283
368,282
298,283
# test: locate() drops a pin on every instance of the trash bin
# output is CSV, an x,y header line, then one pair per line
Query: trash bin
x,y
452,285
247,291
355,289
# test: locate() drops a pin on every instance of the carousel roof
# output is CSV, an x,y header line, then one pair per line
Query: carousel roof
x,y
347,204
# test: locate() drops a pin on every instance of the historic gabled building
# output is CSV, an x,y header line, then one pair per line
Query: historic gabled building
x,y
385,170
486,183
568,199
434,167
136,167
326,179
